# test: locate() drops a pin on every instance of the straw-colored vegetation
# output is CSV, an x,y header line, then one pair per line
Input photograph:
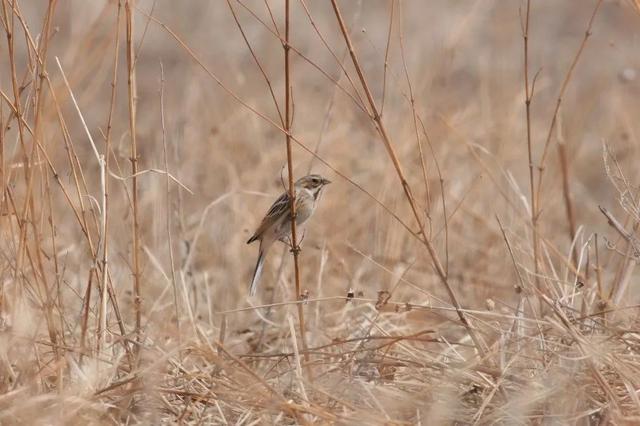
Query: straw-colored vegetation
x,y
473,260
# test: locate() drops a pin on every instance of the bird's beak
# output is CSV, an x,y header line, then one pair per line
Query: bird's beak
x,y
325,181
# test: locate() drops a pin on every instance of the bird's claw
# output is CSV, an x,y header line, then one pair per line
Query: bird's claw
x,y
295,249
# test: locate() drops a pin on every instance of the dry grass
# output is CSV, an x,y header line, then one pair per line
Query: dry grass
x,y
473,262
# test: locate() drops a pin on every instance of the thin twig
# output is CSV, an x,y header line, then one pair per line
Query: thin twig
x,y
135,232
414,114
107,146
528,93
386,58
168,212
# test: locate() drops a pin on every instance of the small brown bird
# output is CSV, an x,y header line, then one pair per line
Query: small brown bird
x,y
276,225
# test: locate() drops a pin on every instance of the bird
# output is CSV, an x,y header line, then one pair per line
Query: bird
x,y
276,224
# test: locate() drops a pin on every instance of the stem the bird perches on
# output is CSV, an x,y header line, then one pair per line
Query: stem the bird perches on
x,y
376,117
295,249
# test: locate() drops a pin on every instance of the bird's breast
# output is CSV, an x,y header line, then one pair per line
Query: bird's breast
x,y
305,206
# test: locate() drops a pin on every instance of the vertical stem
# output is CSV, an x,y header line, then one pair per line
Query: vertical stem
x,y
527,102
131,83
292,195
168,190
105,184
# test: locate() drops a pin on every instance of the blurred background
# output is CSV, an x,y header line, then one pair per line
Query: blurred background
x,y
461,61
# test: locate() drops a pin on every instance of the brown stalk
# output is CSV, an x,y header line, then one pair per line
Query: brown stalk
x,y
295,248
131,84
105,224
528,93
405,185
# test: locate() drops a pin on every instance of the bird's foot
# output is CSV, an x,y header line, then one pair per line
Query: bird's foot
x,y
293,248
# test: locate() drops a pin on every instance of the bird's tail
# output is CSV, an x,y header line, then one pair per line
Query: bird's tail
x,y
258,271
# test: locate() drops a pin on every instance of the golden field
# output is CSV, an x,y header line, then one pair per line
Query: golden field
x,y
473,261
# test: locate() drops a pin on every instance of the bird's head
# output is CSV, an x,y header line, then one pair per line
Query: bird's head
x,y
312,182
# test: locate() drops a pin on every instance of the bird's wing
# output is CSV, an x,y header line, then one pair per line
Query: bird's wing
x,y
277,209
